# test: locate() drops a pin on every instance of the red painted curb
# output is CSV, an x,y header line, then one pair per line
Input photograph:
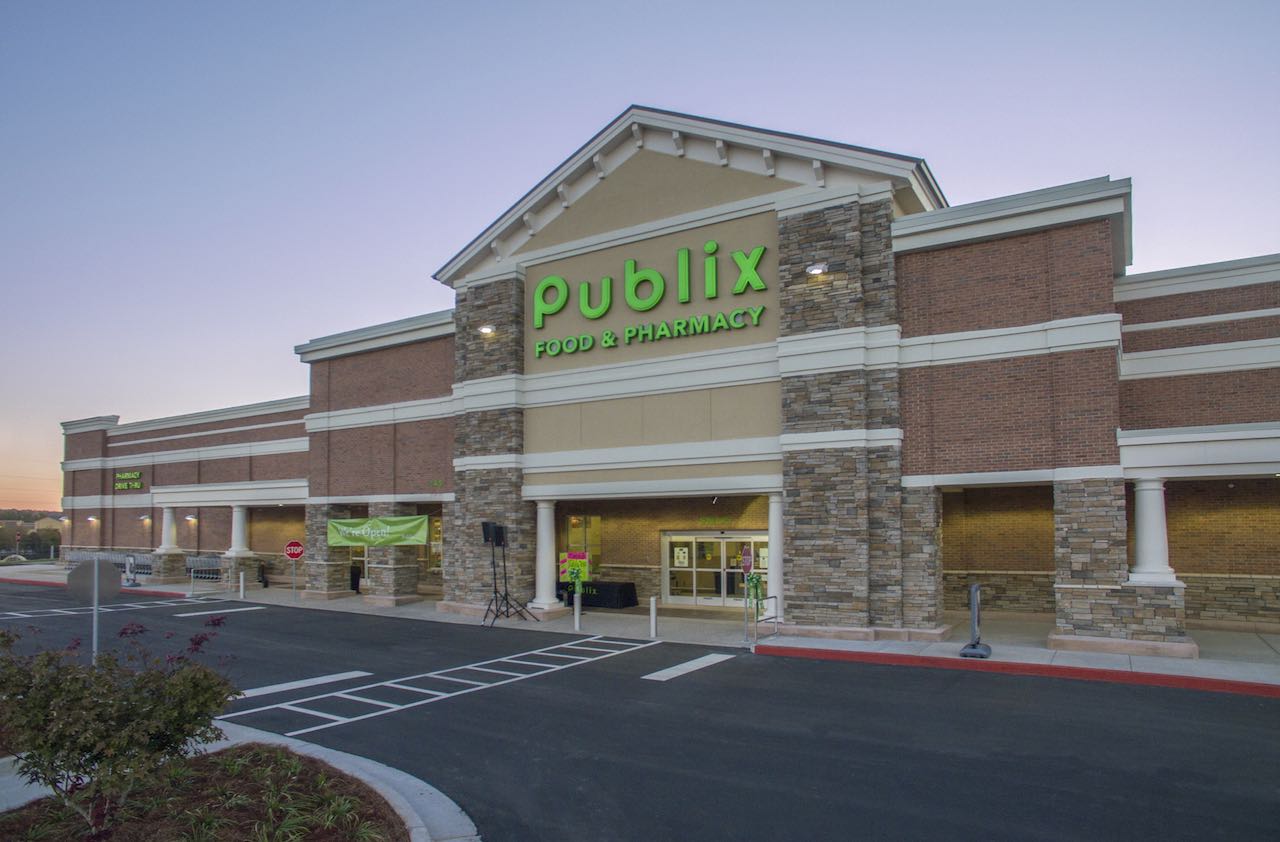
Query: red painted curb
x,y
1185,682
139,591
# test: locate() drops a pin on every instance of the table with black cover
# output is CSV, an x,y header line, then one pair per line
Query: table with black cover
x,y
602,594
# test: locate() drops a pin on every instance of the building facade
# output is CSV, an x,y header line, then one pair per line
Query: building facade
x,y
696,342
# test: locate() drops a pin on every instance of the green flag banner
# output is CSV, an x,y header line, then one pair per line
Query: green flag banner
x,y
378,531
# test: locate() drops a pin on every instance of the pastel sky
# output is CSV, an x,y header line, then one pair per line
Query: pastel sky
x,y
188,190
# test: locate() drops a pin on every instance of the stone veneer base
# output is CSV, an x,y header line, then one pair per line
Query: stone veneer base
x,y
1120,646
388,600
1235,625
327,594
935,634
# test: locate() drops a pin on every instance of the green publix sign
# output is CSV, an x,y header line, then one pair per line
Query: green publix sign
x,y
643,289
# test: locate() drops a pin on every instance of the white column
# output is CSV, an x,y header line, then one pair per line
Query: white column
x,y
239,532
1151,550
168,532
544,578
775,549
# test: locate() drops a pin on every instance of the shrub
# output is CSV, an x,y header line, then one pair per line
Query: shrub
x,y
96,734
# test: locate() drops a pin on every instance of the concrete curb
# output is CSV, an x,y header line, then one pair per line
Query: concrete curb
x,y
139,591
1152,679
429,814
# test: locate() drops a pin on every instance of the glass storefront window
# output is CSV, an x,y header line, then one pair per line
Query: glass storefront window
x,y
582,534
429,554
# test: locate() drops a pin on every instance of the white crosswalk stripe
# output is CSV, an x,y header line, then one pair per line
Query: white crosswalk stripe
x,y
361,694
38,613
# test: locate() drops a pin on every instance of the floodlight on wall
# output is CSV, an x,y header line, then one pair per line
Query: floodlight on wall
x,y
486,330
816,269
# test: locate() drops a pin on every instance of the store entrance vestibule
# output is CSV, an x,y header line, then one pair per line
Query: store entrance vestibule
x,y
706,568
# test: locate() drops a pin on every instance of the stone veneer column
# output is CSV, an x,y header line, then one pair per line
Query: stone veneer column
x,y
922,591
393,571
1090,555
488,492
328,569
1099,606
852,558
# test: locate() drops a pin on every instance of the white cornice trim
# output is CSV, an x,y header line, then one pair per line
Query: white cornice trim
x,y
490,462
216,432
841,439
694,487
1021,213
89,425
210,416
1225,450
194,454
1201,359
104,501
1203,278
761,449
276,492
374,337
738,147
1038,476
429,409
838,350
1191,321
364,499
1060,335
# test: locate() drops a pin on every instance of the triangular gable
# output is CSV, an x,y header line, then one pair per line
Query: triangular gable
x,y
738,150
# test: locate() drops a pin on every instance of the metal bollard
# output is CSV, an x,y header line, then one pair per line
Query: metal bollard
x,y
192,590
975,648
242,584
653,618
577,611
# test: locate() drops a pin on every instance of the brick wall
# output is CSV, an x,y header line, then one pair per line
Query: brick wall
x,y
1041,411
271,527
1224,526
1024,279
1239,330
287,431
1006,529
1229,397
1211,302
413,371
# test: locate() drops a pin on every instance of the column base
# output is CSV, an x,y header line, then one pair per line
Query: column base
x,y
389,600
1187,648
1159,580
327,594
552,612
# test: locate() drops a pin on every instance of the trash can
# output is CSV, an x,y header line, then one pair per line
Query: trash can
x,y
355,578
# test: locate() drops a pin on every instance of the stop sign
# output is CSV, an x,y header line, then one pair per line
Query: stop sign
x,y
293,549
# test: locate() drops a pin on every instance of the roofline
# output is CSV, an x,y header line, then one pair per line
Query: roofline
x,y
928,182
373,337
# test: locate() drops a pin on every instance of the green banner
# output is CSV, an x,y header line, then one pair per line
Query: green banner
x,y
378,531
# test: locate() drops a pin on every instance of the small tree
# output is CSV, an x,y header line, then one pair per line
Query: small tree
x,y
94,735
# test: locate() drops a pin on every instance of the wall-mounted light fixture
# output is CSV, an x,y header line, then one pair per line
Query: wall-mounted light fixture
x,y
190,518
816,269
144,517
66,519
91,519
486,330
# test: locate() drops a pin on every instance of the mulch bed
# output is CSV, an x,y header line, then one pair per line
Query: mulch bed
x,y
241,794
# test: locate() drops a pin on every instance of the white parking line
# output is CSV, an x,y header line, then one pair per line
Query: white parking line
x,y
223,611
80,611
352,694
687,667
305,682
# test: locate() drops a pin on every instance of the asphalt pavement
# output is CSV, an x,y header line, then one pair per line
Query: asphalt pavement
x,y
543,736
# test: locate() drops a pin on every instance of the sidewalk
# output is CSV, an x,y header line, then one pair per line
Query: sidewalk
x,y
1016,640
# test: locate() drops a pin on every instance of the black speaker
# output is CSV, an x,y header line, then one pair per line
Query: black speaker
x,y
499,536
488,528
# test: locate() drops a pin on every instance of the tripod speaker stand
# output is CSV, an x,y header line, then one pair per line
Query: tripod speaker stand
x,y
500,604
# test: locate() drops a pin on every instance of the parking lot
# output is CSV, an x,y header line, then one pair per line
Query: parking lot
x,y
541,735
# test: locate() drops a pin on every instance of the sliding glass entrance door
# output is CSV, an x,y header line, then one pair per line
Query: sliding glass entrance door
x,y
706,569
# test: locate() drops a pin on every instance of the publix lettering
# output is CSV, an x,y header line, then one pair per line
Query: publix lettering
x,y
642,290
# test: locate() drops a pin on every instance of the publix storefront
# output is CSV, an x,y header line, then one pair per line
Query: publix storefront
x,y
696,346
